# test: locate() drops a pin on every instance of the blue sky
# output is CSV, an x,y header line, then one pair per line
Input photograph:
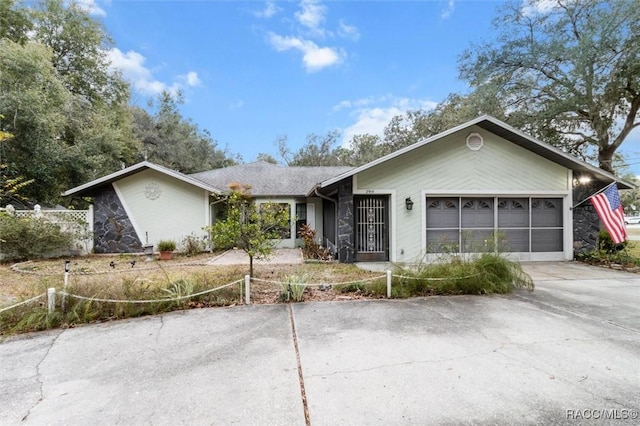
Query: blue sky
x,y
251,71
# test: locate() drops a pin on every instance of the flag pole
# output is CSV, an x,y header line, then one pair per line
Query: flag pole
x,y
594,194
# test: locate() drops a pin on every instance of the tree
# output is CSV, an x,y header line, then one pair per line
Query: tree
x,y
318,151
67,110
567,72
253,228
361,150
175,142
14,22
267,158
80,46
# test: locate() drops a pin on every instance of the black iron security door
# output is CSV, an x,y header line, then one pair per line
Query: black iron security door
x,y
372,230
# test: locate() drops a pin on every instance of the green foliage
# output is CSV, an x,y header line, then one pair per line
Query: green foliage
x,y
608,253
566,72
293,288
606,244
30,238
175,142
166,245
487,273
67,111
254,229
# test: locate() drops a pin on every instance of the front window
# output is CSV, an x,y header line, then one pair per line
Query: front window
x,y
301,217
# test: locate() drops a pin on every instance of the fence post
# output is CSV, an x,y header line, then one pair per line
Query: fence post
x,y
388,284
51,299
247,289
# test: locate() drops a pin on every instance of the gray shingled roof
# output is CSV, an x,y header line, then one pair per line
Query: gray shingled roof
x,y
268,179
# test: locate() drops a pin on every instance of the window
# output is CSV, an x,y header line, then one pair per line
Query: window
x,y
281,208
301,217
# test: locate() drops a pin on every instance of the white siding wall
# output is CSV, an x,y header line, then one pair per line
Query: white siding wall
x,y
448,167
181,209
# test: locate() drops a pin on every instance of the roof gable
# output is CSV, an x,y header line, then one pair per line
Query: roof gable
x,y
136,168
505,131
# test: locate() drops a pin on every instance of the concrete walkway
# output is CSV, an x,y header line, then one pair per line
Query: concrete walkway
x,y
568,353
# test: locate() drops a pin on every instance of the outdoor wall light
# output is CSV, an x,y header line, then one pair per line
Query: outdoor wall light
x,y
408,203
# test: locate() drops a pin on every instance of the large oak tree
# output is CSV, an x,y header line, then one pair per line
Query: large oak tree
x,y
567,71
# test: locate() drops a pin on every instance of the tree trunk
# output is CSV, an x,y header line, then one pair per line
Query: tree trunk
x,y
605,158
251,266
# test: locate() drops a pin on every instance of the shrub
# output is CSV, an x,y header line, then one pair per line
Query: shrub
x,y
606,244
166,245
293,288
484,274
191,245
31,238
310,248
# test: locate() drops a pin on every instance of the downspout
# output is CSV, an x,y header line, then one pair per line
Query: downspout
x,y
335,213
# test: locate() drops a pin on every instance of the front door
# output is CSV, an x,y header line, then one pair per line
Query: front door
x,y
372,235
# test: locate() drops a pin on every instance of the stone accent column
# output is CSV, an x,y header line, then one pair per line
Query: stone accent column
x,y
346,231
113,230
586,224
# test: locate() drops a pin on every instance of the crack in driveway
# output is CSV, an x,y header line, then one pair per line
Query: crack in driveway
x,y
39,375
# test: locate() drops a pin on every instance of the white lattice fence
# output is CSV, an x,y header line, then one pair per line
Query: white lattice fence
x,y
79,222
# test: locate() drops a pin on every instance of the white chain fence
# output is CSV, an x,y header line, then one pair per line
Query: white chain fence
x,y
247,283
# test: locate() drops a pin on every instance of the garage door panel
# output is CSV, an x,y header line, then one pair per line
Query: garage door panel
x,y
546,240
512,224
546,212
442,213
514,240
442,241
513,213
474,241
477,213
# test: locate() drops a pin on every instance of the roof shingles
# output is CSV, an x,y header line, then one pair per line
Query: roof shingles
x,y
268,179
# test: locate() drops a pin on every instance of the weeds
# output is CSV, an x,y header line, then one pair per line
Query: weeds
x,y
487,273
293,288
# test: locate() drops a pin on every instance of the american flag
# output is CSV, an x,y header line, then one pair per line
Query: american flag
x,y
611,213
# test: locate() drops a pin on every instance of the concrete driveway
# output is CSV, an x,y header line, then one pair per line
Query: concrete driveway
x,y
568,353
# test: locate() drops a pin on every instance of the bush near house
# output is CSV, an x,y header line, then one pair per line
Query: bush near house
x,y
23,238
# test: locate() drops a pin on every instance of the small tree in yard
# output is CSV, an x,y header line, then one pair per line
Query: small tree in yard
x,y
255,229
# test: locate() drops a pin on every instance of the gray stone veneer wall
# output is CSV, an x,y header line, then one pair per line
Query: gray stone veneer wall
x,y
346,232
113,231
586,224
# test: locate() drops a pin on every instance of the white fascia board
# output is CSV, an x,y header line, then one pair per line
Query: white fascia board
x,y
135,169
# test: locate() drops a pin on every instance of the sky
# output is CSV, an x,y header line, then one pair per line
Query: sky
x,y
253,71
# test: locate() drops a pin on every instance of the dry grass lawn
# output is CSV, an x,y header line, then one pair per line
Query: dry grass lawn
x,y
105,276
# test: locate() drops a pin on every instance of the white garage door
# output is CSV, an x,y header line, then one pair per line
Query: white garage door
x,y
478,224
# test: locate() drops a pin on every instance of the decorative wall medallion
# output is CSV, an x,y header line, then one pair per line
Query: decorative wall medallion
x,y
152,191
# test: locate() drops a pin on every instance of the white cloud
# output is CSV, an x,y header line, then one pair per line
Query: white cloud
x,y
190,78
91,6
348,31
448,11
132,66
312,16
270,9
372,119
314,57
533,7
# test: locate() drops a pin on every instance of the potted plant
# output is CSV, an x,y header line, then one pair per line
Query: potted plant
x,y
166,248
